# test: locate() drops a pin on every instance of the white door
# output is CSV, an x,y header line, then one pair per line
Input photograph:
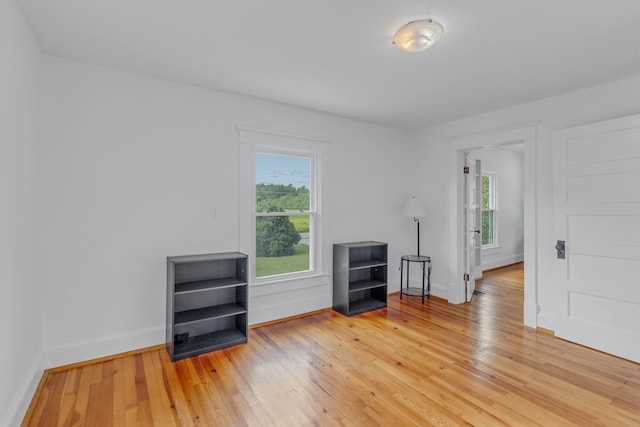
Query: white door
x,y
596,180
472,240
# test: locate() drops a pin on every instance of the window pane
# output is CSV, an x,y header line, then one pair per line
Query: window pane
x,y
282,183
486,192
282,244
487,227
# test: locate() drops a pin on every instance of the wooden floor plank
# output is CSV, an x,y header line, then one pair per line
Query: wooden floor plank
x,y
408,364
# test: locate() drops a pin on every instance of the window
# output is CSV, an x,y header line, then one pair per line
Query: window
x,y
285,212
488,210
280,209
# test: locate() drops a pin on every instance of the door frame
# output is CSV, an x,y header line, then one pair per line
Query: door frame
x,y
525,133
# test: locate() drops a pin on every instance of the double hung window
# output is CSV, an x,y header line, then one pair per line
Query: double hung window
x,y
285,212
489,213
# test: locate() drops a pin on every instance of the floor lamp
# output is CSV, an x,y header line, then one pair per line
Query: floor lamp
x,y
414,209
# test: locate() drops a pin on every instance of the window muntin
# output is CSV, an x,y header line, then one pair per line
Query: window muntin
x,y
285,212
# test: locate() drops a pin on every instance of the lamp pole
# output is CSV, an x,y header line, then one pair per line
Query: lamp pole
x,y
417,220
414,209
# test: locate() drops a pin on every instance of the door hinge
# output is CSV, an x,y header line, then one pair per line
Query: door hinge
x,y
465,277
465,170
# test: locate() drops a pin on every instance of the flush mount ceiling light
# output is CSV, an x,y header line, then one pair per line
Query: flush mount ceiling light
x,y
416,36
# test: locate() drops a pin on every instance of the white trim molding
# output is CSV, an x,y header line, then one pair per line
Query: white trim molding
x,y
525,133
283,296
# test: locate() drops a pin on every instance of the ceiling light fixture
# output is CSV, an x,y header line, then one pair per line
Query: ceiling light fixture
x,y
417,36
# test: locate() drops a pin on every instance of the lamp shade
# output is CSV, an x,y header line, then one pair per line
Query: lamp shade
x,y
414,208
417,36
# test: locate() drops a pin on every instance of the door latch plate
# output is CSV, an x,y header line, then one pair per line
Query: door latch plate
x,y
560,249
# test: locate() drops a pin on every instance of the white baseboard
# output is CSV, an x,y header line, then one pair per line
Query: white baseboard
x,y
501,262
267,301
439,291
287,298
81,351
547,321
267,313
24,395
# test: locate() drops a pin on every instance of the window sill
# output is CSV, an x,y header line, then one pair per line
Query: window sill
x,y
282,278
289,283
491,247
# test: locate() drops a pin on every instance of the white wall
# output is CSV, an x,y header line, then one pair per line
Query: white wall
x,y
508,168
20,303
127,169
599,103
131,168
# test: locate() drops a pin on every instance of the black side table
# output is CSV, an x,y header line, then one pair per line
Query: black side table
x,y
425,261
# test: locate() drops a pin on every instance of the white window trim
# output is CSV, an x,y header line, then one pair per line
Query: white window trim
x,y
252,141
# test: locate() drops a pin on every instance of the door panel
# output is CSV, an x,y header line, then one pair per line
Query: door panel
x,y
621,145
597,213
477,227
598,188
473,221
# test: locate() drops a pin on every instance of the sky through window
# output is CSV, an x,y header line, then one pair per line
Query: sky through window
x,y
284,170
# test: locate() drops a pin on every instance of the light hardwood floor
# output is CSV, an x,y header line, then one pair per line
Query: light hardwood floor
x,y
408,364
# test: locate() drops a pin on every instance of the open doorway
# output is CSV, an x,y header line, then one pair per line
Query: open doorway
x,y
501,210
525,135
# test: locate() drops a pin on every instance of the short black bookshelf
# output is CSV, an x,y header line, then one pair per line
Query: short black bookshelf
x,y
359,277
207,298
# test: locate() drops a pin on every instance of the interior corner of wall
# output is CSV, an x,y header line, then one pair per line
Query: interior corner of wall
x,y
454,295
24,394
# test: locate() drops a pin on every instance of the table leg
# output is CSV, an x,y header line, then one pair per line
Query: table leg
x,y
408,276
429,281
401,264
423,267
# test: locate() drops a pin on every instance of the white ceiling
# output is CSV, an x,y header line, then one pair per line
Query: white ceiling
x,y
336,56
